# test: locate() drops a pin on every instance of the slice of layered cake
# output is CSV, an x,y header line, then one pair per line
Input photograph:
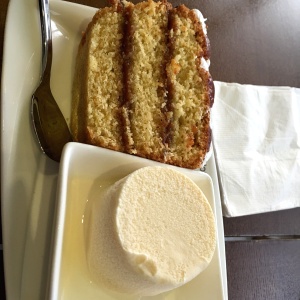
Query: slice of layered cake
x,y
142,84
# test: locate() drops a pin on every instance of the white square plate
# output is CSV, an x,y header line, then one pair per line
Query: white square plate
x,y
83,171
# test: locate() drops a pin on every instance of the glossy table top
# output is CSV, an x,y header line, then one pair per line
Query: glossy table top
x,y
252,42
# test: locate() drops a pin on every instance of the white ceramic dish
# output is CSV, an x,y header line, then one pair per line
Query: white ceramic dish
x,y
29,178
84,171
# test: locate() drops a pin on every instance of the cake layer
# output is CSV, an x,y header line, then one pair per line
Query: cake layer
x,y
151,232
98,83
145,91
188,97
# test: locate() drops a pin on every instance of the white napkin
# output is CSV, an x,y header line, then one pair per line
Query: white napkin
x,y
256,133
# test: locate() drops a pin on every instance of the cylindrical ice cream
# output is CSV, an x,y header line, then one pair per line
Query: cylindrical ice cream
x,y
151,232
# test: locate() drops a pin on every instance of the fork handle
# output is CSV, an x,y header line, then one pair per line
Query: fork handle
x,y
46,38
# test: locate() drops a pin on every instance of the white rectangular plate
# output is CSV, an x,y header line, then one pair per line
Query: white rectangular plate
x,y
29,178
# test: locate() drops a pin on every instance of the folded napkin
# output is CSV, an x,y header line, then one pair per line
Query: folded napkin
x,y
256,135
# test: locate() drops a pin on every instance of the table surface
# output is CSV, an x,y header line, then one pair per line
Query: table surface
x,y
252,42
